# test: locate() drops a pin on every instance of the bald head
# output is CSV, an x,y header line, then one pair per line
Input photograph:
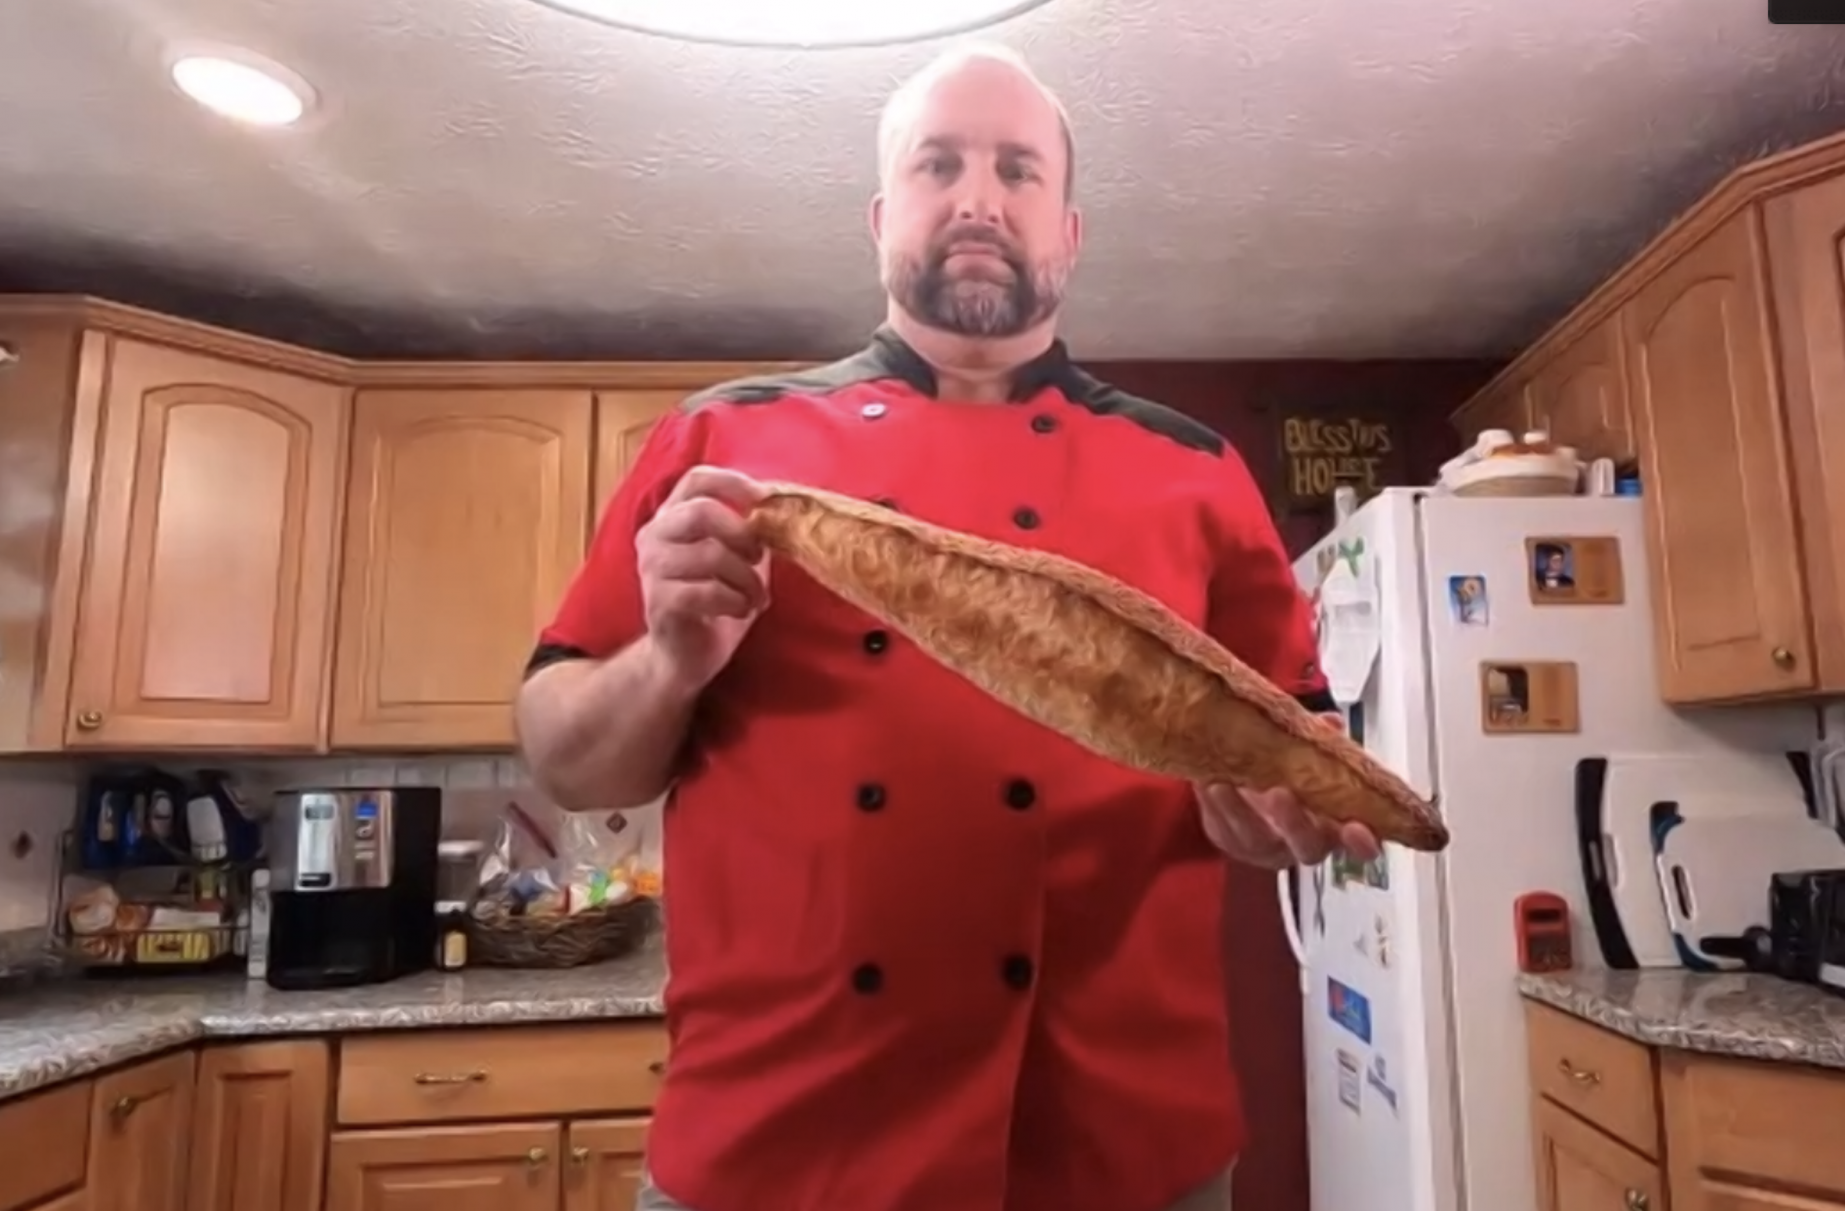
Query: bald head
x,y
897,124
974,221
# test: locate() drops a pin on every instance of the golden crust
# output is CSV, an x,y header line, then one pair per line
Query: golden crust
x,y
1089,657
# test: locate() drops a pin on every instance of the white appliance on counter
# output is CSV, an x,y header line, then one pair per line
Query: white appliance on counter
x,y
1451,628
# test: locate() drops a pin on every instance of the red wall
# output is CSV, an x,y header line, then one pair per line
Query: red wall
x,y
1244,401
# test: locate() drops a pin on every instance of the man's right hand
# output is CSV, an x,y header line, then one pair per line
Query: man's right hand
x,y
704,577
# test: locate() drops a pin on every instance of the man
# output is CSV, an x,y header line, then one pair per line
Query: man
x,y
925,954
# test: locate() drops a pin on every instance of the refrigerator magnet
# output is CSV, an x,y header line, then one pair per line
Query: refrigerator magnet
x,y
1349,1008
1377,872
1351,1082
1574,570
1319,900
1467,603
1519,696
1378,1077
1347,869
1380,931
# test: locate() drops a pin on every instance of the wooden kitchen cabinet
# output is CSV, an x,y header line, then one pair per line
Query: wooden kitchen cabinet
x,y
467,514
624,419
605,1164
1580,394
47,1139
1722,528
1580,1169
1714,362
207,581
259,1127
140,1127
485,1167
1502,405
171,518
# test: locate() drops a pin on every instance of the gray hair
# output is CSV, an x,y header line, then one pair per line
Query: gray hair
x,y
900,109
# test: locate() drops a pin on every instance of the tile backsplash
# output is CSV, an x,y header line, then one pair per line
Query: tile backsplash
x,y
38,800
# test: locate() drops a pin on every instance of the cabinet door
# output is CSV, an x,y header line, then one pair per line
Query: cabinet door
x,y
605,1164
623,421
1503,405
490,1167
1579,395
259,1127
208,579
140,1118
1806,261
467,515
1729,596
1580,1169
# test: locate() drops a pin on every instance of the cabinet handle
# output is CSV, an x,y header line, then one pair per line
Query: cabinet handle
x,y
1581,1076
580,1155
1637,1200
451,1078
9,356
658,1067
1783,658
537,1157
89,721
124,1107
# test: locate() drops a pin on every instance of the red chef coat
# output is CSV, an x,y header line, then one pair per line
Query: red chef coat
x,y
927,955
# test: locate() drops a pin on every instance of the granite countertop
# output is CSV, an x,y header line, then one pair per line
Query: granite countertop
x,y
1741,1014
56,1032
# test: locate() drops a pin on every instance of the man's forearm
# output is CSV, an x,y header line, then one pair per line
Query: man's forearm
x,y
604,735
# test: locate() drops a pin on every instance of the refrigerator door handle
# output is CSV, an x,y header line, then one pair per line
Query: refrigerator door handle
x,y
1290,924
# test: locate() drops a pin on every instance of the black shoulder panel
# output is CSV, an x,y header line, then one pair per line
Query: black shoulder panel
x,y
861,367
1087,391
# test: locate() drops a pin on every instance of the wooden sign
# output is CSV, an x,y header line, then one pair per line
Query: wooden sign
x,y
1529,696
1324,451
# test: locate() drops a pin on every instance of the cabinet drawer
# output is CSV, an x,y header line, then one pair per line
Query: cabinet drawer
x,y
510,1072
1595,1073
47,1135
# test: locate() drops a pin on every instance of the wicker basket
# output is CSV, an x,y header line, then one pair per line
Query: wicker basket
x,y
496,938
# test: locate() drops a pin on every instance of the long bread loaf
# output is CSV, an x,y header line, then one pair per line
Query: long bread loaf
x,y
1089,657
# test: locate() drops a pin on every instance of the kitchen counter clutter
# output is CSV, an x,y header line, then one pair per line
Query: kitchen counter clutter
x,y
527,1090
1701,1092
74,1028
1736,1014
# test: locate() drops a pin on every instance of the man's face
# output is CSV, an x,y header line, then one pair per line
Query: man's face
x,y
975,234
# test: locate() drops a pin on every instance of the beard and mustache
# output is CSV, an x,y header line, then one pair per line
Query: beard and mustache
x,y
979,301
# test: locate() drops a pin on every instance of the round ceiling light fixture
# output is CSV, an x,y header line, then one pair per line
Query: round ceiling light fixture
x,y
240,89
799,24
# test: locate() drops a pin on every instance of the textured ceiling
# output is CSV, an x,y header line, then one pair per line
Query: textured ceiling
x,y
1262,178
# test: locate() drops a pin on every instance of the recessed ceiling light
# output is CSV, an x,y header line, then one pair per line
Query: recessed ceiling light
x,y
241,91
799,23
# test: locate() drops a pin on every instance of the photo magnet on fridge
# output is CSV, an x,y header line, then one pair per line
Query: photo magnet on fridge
x,y
1351,1080
1574,570
1349,1008
1520,696
1467,603
1380,932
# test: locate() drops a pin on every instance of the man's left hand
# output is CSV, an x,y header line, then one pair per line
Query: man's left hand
x,y
1270,828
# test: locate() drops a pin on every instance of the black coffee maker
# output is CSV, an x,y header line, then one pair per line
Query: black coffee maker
x,y
352,885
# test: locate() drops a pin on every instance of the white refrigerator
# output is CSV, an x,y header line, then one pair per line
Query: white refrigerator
x,y
1482,613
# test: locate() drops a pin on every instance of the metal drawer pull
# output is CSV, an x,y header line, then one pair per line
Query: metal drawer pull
x,y
1637,1200
580,1155
453,1078
124,1107
537,1157
1579,1075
